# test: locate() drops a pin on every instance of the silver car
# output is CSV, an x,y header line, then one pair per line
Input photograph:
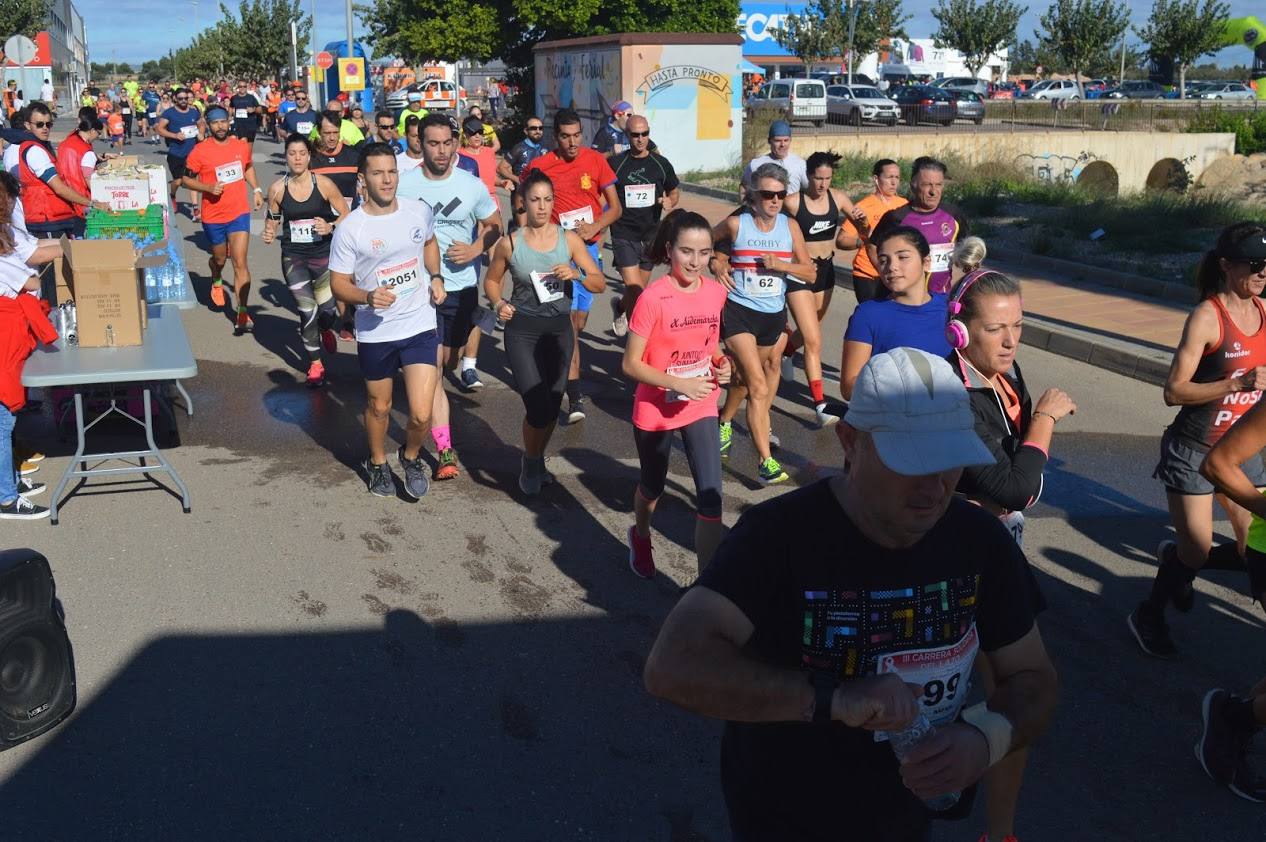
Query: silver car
x,y
969,105
963,83
859,104
1231,90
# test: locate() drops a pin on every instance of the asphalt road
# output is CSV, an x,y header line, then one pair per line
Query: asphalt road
x,y
297,659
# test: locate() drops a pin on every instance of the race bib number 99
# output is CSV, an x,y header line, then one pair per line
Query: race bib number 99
x,y
639,195
402,279
944,674
229,173
570,219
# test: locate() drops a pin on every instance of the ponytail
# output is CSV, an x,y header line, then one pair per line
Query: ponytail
x,y
1210,279
1209,275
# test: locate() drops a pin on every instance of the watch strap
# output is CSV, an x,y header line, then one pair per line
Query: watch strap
x,y
824,684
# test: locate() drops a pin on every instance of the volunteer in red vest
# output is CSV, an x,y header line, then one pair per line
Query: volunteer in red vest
x,y
49,202
220,168
76,160
583,183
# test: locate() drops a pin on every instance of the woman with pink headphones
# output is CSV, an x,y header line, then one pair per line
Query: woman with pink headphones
x,y
985,319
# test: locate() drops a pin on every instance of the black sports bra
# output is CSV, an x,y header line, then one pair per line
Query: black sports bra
x,y
818,227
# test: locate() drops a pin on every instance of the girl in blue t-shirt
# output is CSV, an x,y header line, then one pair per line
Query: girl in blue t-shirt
x,y
909,317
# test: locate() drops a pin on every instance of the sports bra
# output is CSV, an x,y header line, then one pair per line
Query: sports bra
x,y
818,227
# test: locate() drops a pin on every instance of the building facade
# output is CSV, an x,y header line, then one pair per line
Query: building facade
x,y
61,55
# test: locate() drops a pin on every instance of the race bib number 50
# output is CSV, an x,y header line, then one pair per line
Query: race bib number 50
x,y
548,288
944,674
402,279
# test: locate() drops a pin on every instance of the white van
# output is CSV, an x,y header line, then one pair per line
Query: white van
x,y
799,99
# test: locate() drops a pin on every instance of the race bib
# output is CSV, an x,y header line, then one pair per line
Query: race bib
x,y
548,288
151,115
700,368
189,132
1014,522
944,673
941,253
402,279
240,113
759,285
229,173
304,127
303,231
570,219
639,195
126,111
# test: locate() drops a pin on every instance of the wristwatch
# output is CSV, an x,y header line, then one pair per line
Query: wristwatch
x,y
436,275
824,684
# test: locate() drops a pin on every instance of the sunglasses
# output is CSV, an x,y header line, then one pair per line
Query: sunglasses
x,y
388,126
536,128
772,194
639,134
1256,265
41,124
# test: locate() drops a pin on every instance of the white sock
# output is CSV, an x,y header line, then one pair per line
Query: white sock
x,y
468,363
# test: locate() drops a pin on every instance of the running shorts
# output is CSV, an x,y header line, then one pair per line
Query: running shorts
x,y
176,166
381,360
867,289
538,349
766,327
455,318
247,135
218,232
824,281
1179,466
581,298
631,253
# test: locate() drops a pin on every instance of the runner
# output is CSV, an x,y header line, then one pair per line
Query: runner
x,y
460,207
286,105
672,355
647,186
114,127
966,258
779,153
127,105
986,318
152,99
182,127
348,133
246,109
220,167
541,259
1217,374
412,155
512,166
413,108
908,316
338,162
940,224
377,261
385,128
306,207
48,201
766,253
813,656
357,117
490,134
583,183
854,235
613,138
485,159
302,119
817,210
273,102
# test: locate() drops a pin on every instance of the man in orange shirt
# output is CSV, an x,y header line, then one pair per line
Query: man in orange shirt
x,y
887,177
220,167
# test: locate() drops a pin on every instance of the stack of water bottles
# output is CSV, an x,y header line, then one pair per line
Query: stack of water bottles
x,y
162,283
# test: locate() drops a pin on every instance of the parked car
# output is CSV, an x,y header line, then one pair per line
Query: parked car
x,y
842,79
437,95
1053,89
859,104
1136,89
1229,90
799,99
963,83
925,104
969,105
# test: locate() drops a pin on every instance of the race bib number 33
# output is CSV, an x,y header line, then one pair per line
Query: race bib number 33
x,y
229,173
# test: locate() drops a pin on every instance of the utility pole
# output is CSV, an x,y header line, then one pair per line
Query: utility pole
x,y
1121,77
853,7
294,50
349,28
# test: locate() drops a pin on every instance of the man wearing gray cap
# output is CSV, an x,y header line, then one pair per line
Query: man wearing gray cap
x,y
856,606
779,153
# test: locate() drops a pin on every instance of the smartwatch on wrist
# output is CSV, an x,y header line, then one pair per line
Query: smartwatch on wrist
x,y
824,684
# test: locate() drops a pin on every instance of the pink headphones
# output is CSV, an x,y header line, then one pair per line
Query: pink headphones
x,y
955,330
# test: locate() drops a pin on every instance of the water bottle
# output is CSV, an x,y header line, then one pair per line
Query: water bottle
x,y
903,741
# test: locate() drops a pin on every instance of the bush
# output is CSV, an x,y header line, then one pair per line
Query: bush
x,y
1249,127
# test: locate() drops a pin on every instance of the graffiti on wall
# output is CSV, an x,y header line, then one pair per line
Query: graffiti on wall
x,y
1058,169
587,81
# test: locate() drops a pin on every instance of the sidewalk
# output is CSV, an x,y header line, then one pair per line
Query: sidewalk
x,y
1108,328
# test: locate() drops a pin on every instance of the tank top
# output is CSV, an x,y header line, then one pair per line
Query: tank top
x,y
1235,353
297,233
818,228
754,287
536,292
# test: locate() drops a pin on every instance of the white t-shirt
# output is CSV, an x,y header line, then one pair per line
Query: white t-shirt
x,y
46,92
797,179
38,159
14,272
387,251
404,163
11,159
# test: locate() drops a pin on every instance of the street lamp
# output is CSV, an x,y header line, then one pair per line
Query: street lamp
x,y
853,6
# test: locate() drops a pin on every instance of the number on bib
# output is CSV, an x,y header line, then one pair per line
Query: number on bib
x,y
125,111
943,671
229,173
1014,522
941,254
548,288
639,195
303,231
758,285
402,279
570,219
239,114
304,127
189,132
687,371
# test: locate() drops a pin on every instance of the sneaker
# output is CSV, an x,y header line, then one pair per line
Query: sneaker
x,y
316,374
347,333
547,478
787,368
27,486
727,437
825,419
771,472
217,294
1221,750
641,558
576,410
415,482
1184,599
34,457
244,323
619,321
774,441
470,380
329,341
21,508
530,479
1151,632
447,469
27,468
379,478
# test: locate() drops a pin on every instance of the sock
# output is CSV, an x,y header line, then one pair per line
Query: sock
x,y
573,390
215,282
1239,712
443,438
241,308
1224,557
815,389
1171,576
468,363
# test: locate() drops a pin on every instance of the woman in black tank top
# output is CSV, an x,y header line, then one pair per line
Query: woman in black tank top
x,y
303,209
809,302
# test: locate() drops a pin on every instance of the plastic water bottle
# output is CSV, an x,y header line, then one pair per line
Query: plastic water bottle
x,y
902,744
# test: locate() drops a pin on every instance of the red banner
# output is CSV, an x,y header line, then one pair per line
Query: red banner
x,y
43,53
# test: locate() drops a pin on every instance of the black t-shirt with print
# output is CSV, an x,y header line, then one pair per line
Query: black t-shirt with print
x,y
654,170
823,596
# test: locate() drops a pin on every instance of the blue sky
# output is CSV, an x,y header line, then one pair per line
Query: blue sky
x,y
128,30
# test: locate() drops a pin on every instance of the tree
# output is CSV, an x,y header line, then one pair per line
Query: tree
x,y
878,21
805,36
976,31
123,68
1182,31
22,17
1076,31
1025,57
257,40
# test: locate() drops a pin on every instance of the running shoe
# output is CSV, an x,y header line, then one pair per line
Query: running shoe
x,y
641,558
21,508
34,457
1151,632
217,293
27,468
244,323
415,482
1184,599
619,321
470,380
727,437
29,486
576,410
530,479
1221,749
379,478
447,468
825,419
329,341
347,333
787,368
771,472
316,374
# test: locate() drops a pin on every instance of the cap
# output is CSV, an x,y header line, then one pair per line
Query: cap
x,y
473,125
621,106
918,413
415,96
780,128
1250,247
216,114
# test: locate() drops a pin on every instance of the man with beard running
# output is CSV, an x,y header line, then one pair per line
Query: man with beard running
x,y
246,109
182,127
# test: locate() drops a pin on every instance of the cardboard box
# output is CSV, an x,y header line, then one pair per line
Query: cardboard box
x,y
104,280
118,184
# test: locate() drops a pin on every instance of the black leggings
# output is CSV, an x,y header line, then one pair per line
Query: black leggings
x,y
303,273
539,352
702,440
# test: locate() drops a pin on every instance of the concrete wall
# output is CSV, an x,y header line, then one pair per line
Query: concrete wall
x,y
1116,161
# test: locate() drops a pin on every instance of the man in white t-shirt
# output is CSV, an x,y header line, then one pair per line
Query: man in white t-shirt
x,y
378,259
48,95
411,157
779,153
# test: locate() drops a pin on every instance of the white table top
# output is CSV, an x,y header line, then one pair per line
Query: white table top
x,y
164,355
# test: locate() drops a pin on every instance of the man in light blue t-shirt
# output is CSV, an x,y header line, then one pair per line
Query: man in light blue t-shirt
x,y
467,225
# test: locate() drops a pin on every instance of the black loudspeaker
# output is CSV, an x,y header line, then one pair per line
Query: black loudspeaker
x,y
37,668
